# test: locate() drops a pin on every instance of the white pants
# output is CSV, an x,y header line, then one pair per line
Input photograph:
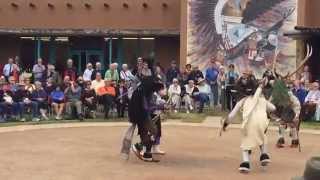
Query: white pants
x,y
317,114
188,101
175,99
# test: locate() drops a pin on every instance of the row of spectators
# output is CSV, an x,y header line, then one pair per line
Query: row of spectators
x,y
44,91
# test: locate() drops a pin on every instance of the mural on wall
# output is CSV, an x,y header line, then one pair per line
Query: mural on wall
x,y
246,33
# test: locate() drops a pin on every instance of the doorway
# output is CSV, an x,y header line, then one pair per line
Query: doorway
x,y
82,57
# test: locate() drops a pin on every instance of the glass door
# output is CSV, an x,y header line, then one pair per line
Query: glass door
x,y
82,57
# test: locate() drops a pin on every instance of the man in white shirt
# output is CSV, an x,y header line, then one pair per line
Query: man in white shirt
x,y
174,94
311,102
88,72
125,73
203,95
8,68
314,94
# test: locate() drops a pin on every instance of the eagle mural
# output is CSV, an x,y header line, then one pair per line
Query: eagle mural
x,y
246,33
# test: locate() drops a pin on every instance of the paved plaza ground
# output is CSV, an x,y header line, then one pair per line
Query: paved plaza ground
x,y
77,152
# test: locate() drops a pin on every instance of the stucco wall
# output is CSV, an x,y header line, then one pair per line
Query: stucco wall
x,y
308,13
154,16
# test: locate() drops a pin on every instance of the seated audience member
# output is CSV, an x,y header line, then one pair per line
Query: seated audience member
x,y
49,86
125,73
98,69
66,82
88,72
14,97
2,81
81,82
3,107
39,99
195,74
7,105
89,100
190,90
73,100
21,100
175,94
28,103
122,99
112,73
299,91
28,85
57,99
311,102
53,74
107,94
98,82
203,95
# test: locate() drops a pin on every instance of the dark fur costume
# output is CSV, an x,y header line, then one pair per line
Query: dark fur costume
x,y
139,110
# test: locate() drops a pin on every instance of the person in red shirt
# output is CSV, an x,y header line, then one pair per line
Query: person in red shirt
x,y
107,94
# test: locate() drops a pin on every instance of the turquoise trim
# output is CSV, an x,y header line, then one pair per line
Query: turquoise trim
x,y
52,51
110,51
120,51
38,48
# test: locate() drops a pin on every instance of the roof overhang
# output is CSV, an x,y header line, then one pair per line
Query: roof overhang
x,y
89,32
300,32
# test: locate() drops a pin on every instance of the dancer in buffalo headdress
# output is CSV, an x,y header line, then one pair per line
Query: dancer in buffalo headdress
x,y
141,94
141,108
253,108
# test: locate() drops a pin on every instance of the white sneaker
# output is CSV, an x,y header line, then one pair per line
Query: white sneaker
x,y
175,111
156,150
191,107
188,112
43,114
23,120
45,117
93,113
36,119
